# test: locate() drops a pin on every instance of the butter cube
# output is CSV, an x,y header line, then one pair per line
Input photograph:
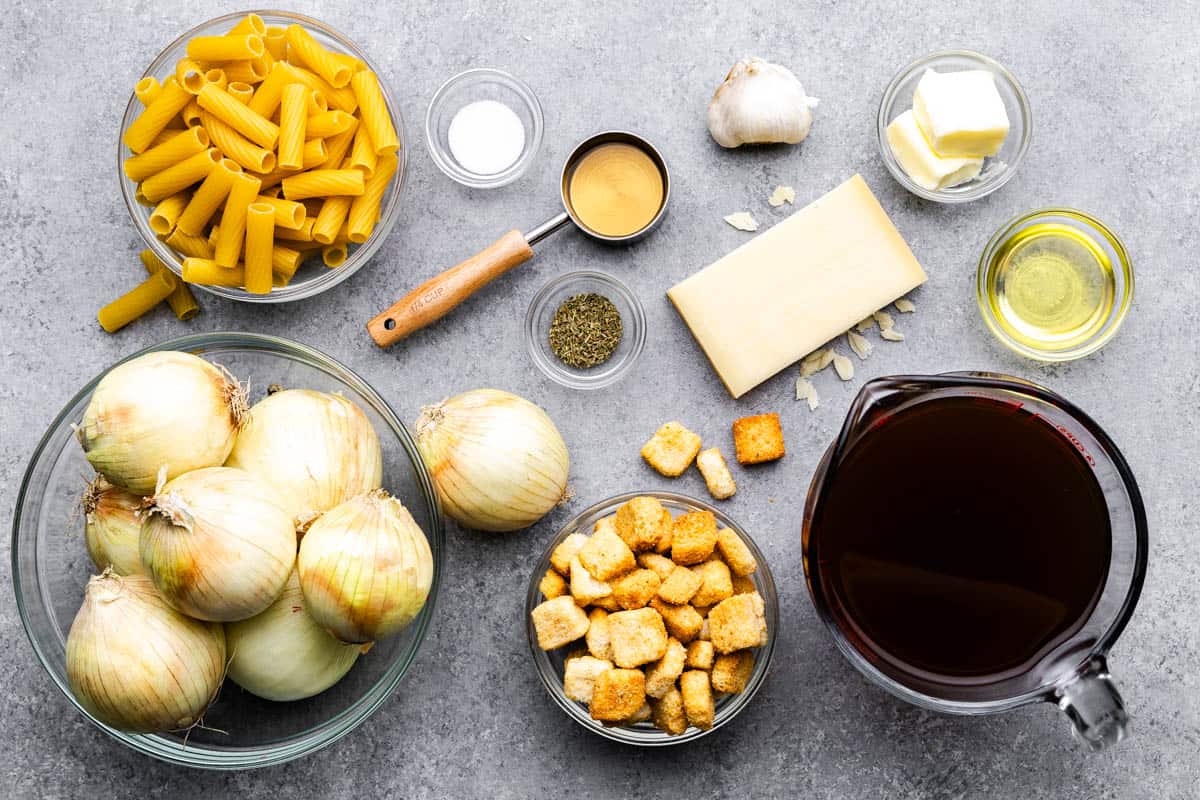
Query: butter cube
x,y
927,169
961,113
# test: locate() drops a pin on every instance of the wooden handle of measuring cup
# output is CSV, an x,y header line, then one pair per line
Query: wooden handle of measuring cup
x,y
438,296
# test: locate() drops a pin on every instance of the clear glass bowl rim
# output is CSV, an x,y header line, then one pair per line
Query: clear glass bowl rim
x,y
763,579
350,718
330,277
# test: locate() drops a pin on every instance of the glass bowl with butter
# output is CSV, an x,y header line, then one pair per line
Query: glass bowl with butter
x,y
954,126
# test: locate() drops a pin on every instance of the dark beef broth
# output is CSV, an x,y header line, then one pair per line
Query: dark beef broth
x,y
960,541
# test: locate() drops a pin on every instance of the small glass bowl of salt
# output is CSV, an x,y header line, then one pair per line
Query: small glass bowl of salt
x,y
484,128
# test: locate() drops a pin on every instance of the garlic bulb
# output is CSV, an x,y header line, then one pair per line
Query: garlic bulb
x,y
218,544
137,664
283,654
112,523
315,449
497,460
759,103
164,409
365,568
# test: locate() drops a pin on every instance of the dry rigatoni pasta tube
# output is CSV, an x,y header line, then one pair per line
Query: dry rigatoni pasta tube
x,y
133,304
317,104
330,219
364,211
302,234
180,176
236,146
181,301
165,215
217,77
334,255
154,117
206,272
208,198
252,70
233,219
293,119
260,240
311,54
285,261
180,145
187,245
240,91
338,146
275,40
191,114
269,93
374,112
362,154
342,98
314,156
147,89
190,75
355,64
288,213
238,116
323,183
231,47
329,123
251,23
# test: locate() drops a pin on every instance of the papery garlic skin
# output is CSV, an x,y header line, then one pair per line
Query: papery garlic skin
x,y
218,544
316,449
164,409
137,664
497,460
759,103
112,523
282,654
365,568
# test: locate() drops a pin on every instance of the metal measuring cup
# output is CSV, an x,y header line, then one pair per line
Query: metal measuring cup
x,y
441,294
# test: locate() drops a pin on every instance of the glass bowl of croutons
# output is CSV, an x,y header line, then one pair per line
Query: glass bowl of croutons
x,y
652,618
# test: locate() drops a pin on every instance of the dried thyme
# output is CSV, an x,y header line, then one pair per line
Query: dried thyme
x,y
585,331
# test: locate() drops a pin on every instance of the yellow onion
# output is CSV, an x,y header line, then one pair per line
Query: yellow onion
x,y
282,654
315,449
497,460
112,521
365,568
165,409
137,664
218,544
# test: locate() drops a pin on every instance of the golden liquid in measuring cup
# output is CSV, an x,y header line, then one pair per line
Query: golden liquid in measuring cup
x,y
1052,286
616,189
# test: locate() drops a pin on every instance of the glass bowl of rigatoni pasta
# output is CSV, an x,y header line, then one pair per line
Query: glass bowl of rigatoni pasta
x,y
262,158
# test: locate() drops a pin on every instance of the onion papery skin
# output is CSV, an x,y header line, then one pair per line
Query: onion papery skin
x,y
165,409
138,665
218,544
365,568
112,522
316,449
283,654
497,460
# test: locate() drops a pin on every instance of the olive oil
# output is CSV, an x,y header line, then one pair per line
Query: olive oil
x,y
1052,286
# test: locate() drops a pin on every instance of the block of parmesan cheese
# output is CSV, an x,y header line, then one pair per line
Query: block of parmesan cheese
x,y
788,291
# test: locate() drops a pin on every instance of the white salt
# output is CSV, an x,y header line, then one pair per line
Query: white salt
x,y
486,137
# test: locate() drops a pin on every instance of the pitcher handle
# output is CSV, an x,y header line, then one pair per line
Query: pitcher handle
x,y
1094,706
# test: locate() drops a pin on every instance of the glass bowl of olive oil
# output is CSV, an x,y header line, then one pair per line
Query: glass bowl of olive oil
x,y
1055,284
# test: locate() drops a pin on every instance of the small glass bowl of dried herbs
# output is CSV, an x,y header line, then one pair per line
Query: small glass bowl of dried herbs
x,y
585,329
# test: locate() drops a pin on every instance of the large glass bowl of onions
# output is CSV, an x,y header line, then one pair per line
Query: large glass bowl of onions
x,y
52,568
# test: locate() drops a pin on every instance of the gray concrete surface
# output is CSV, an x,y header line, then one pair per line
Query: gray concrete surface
x,y
1115,91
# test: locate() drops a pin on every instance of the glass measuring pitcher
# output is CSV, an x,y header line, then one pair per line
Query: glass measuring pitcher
x,y
996,552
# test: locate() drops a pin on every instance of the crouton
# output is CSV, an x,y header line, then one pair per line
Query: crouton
x,y
680,585
671,449
642,523
597,634
635,589
584,588
681,620
735,552
637,637
758,439
662,565
716,584
608,603
697,698
703,610
661,675
705,633
730,671
608,523
617,694
579,677
668,712
738,623
693,537
743,585
553,585
665,534
606,556
641,715
560,559
712,466
699,655
558,622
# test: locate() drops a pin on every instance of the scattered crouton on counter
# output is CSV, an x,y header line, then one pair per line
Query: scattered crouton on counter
x,y
758,439
672,449
716,474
